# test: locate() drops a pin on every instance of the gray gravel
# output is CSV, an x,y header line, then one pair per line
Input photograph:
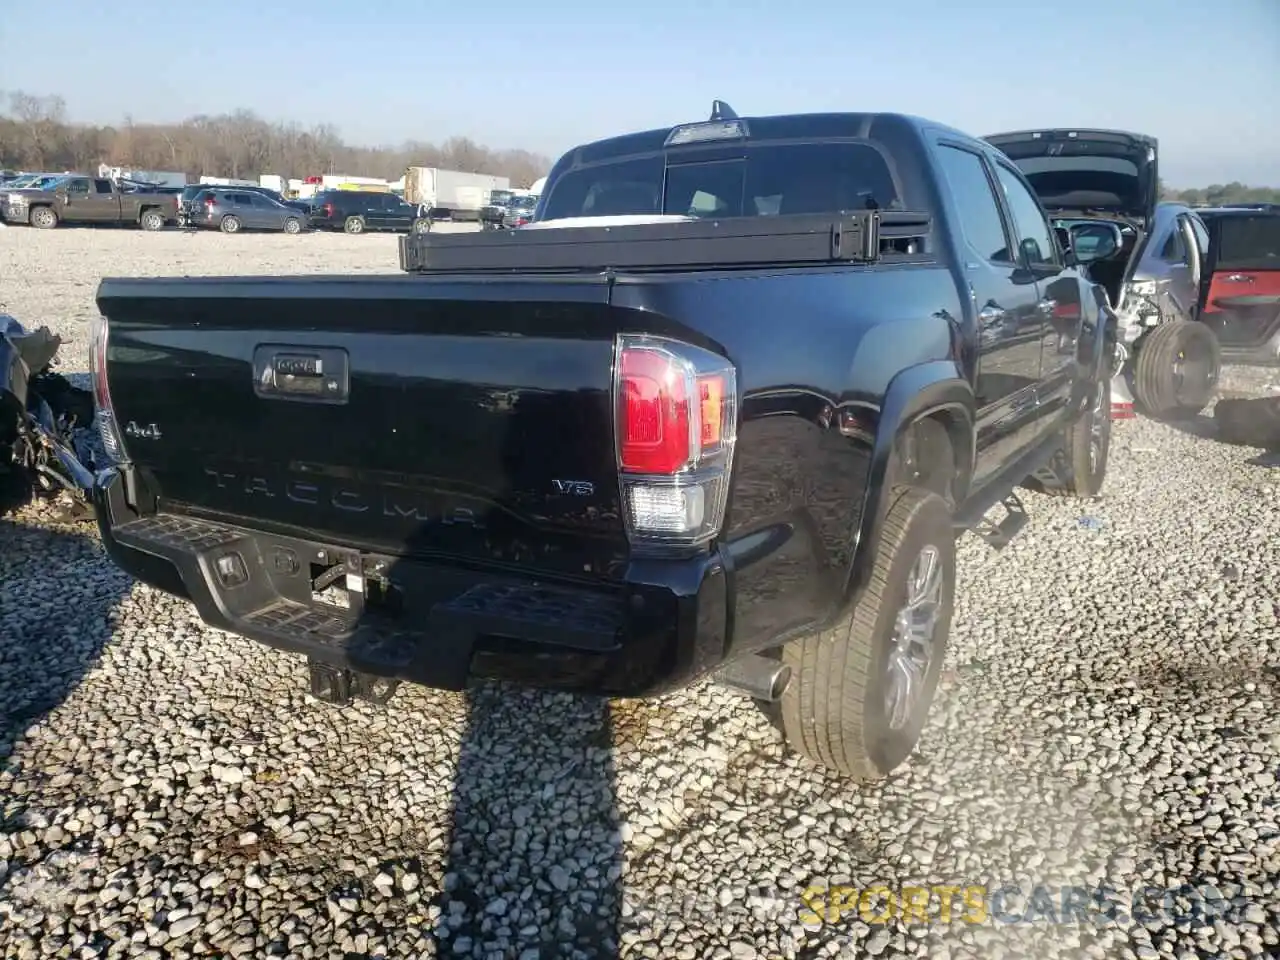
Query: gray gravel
x,y
1108,718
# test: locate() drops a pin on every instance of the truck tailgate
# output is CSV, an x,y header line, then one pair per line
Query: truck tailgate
x,y
464,418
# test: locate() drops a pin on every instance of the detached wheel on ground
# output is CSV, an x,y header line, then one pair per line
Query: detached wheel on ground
x,y
42,217
1176,369
354,225
293,225
860,692
151,220
230,224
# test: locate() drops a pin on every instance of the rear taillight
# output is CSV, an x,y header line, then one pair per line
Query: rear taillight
x,y
675,420
104,415
328,209
210,203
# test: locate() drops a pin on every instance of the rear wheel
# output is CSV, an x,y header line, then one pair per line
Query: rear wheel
x,y
860,692
293,225
43,217
230,224
1176,369
151,220
354,225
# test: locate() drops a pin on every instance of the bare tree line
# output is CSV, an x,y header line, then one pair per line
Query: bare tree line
x,y
35,134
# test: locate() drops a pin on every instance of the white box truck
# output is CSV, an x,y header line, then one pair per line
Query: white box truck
x,y
451,194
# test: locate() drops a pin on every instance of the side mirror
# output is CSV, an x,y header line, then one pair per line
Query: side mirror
x,y
1091,242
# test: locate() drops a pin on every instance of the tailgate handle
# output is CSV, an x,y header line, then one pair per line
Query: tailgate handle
x,y
304,374
1239,278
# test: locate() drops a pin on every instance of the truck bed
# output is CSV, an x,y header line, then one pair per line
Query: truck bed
x,y
455,432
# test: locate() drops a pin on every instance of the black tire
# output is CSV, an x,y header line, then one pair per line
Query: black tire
x,y
1087,446
421,226
834,709
230,224
1176,369
353,225
292,225
151,220
43,218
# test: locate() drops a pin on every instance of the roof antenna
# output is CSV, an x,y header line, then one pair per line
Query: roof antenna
x,y
722,111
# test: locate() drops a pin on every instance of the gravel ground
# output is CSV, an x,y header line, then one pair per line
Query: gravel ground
x,y
1108,719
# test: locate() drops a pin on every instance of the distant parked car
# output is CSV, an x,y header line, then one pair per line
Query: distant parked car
x,y
90,201
519,212
232,210
356,211
192,190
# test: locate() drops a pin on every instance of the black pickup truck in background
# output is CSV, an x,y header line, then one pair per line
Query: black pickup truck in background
x,y
720,410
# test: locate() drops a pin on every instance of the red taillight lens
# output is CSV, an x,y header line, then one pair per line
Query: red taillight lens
x,y
653,415
210,203
676,423
328,209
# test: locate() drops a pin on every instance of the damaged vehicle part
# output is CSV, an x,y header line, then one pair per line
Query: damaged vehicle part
x,y
42,449
1170,362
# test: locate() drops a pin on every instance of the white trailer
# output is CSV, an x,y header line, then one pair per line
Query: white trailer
x,y
451,194
228,182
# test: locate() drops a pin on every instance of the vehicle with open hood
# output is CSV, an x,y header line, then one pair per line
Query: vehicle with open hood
x,y
721,410
1152,274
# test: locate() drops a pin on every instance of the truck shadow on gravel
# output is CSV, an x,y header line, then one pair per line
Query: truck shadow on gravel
x,y
57,597
534,861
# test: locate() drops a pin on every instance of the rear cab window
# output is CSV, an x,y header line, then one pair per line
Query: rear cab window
x,y
762,179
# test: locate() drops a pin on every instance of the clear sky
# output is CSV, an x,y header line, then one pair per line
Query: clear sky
x,y
544,74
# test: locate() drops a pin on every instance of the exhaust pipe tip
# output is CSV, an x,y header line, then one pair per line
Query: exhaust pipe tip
x,y
759,677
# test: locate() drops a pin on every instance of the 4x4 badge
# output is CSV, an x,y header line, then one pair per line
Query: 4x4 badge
x,y
149,432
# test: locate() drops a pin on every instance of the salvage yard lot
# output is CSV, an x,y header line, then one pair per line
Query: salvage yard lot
x,y
1108,719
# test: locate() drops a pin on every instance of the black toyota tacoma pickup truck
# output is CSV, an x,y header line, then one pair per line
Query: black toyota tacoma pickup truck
x,y
720,410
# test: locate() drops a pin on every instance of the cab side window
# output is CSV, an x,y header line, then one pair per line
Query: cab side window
x,y
78,188
1035,238
980,218
1175,248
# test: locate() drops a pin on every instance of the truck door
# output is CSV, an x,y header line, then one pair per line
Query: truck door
x,y
1058,305
1005,308
103,205
75,200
